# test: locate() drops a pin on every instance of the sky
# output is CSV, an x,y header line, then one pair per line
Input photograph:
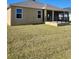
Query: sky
x,y
58,3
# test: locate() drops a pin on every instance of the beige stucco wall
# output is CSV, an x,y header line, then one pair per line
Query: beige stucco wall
x,y
9,16
29,16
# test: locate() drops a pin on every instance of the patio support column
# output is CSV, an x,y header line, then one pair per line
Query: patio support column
x,y
57,17
45,13
43,17
52,15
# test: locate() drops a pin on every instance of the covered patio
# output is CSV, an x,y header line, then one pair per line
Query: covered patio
x,y
57,17
62,16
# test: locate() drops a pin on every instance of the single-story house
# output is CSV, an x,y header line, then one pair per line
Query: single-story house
x,y
33,12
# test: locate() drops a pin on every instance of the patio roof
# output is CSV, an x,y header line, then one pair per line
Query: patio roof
x,y
68,8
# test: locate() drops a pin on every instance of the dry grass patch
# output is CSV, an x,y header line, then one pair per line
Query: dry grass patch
x,y
38,42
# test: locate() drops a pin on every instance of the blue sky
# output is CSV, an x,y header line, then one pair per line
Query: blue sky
x,y
58,3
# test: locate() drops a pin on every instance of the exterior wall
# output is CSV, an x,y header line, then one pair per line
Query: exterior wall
x,y
29,16
9,16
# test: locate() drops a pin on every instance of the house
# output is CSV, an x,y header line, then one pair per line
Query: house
x,y
33,12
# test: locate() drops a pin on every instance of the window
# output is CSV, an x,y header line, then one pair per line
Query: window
x,y
19,13
39,14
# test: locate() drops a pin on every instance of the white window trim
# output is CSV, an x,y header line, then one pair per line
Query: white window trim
x,y
19,13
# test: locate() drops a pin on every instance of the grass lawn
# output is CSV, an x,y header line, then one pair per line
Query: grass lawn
x,y
39,42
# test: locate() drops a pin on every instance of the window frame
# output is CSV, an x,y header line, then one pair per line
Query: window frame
x,y
18,13
39,14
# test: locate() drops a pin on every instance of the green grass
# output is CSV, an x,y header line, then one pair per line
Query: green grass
x,y
39,42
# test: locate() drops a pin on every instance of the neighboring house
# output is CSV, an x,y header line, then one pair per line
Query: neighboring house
x,y
32,12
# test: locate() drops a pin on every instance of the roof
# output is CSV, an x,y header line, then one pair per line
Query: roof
x,y
30,4
34,4
68,8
